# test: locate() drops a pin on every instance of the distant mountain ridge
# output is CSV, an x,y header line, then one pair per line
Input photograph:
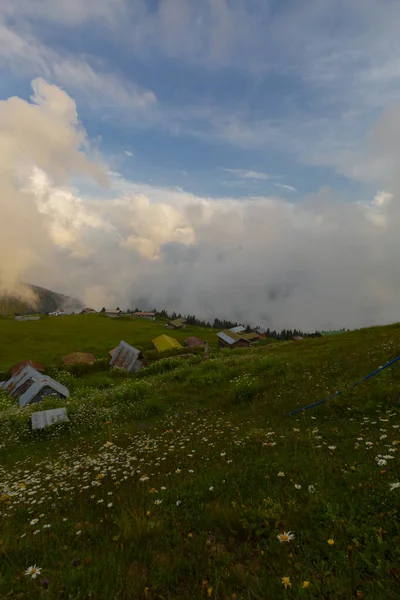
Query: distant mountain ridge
x,y
46,301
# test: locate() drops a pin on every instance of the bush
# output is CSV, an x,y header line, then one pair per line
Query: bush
x,y
119,372
245,388
154,355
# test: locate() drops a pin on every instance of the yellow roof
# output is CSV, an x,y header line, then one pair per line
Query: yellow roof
x,y
165,342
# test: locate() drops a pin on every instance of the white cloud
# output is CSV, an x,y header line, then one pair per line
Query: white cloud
x,y
318,263
128,153
249,174
69,14
285,187
98,88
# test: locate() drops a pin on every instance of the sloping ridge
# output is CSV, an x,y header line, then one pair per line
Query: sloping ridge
x,y
47,301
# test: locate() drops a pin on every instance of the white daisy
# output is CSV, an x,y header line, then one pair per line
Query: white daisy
x,y
33,571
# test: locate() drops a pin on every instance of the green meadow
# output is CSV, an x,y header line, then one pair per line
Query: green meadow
x,y
51,338
189,480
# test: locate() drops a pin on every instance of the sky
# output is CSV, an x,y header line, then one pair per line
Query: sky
x,y
228,158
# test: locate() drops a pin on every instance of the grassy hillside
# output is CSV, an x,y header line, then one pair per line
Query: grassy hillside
x,y
47,301
177,482
51,338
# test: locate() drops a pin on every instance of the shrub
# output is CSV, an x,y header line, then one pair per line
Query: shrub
x,y
119,372
245,388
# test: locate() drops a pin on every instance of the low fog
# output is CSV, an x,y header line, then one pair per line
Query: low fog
x,y
321,262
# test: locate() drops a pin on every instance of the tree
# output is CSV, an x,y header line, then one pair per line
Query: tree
x,y
103,310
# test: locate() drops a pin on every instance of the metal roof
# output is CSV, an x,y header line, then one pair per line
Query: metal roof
x,y
26,318
249,336
28,382
261,330
40,384
24,363
238,329
44,418
224,336
178,322
165,342
126,357
22,378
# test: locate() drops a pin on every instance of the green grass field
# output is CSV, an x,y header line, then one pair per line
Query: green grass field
x,y
51,338
183,481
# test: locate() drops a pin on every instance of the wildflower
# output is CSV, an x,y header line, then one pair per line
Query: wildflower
x,y
107,444
311,489
331,541
281,474
78,532
36,531
332,447
190,535
177,471
158,502
163,487
381,462
211,488
178,502
191,471
33,571
306,585
394,486
286,582
34,521
297,486
46,526
209,592
287,536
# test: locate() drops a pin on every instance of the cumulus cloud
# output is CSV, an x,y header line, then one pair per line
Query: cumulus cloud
x,y
321,262
44,133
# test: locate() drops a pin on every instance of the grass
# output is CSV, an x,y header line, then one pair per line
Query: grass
x,y
176,483
51,338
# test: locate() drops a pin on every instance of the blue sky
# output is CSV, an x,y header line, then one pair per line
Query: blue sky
x,y
281,88
249,144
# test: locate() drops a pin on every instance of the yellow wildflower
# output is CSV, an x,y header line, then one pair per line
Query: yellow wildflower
x,y
331,541
306,585
286,582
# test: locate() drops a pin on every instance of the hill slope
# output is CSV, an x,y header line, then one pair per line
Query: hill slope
x,y
43,301
51,338
182,482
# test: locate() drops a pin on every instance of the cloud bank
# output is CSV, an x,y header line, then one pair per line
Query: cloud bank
x,y
318,263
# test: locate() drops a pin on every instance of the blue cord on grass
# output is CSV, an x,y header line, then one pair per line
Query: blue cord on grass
x,y
378,370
